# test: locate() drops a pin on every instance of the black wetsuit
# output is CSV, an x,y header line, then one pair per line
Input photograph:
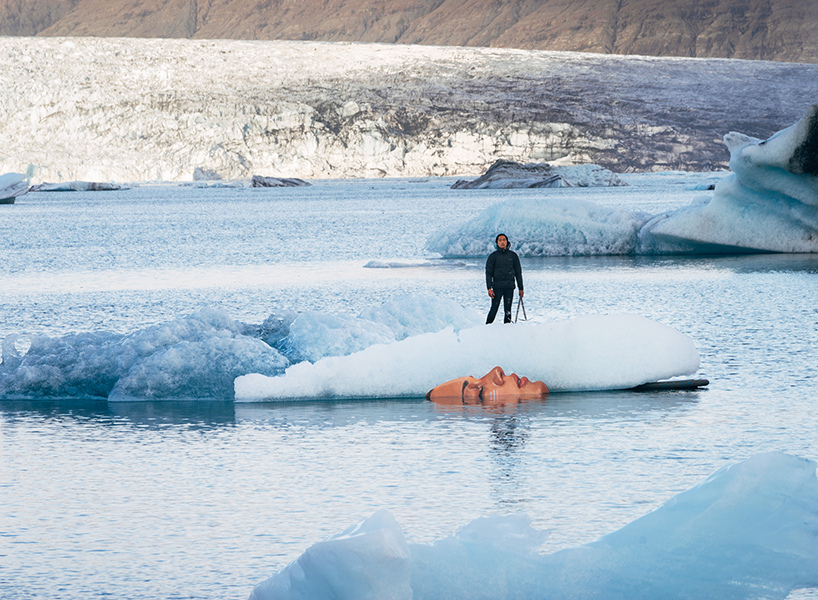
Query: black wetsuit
x,y
502,269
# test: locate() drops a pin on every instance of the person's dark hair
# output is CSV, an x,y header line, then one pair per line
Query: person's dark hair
x,y
497,239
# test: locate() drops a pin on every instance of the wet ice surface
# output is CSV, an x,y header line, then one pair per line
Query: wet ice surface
x,y
205,500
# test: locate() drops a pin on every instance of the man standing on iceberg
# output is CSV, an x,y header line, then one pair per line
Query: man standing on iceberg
x,y
502,268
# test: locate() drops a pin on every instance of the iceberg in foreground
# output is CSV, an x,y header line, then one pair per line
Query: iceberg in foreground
x,y
750,530
592,352
768,204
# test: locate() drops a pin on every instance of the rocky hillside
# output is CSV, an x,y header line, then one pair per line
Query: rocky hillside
x,y
125,110
778,30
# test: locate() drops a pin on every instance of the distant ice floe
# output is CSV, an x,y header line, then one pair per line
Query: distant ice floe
x,y
76,186
507,174
12,185
750,530
768,204
592,352
260,181
411,264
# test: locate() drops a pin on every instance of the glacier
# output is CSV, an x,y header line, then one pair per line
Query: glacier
x,y
750,530
134,110
591,352
769,203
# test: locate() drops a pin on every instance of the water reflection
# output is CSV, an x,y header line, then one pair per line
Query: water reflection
x,y
741,263
509,421
150,414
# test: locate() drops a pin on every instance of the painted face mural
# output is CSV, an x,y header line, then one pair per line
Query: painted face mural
x,y
494,387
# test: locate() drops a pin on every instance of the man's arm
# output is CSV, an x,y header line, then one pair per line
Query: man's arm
x,y
490,271
518,273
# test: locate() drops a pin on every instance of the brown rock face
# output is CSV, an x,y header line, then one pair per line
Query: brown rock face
x,y
781,30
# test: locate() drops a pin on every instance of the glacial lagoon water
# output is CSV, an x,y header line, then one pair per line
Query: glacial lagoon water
x,y
205,499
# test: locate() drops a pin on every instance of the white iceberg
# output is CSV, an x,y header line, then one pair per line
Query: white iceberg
x,y
769,203
12,186
76,186
592,352
750,530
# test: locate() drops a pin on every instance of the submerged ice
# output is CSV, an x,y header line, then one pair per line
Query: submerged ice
x,y
768,204
750,530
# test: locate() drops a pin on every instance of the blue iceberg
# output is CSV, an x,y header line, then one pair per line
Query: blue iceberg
x,y
750,530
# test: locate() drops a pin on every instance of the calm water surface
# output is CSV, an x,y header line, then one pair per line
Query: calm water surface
x,y
204,500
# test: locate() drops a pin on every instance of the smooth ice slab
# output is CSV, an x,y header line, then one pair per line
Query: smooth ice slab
x,y
750,530
592,352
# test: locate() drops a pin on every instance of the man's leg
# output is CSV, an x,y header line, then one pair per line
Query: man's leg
x,y
495,304
508,300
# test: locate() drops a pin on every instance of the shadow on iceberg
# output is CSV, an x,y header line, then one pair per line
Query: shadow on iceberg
x,y
768,204
750,530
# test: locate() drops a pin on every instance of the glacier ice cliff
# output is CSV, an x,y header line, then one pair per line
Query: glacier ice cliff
x,y
750,530
131,110
769,203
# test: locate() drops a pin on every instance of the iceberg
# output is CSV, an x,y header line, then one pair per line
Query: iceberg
x,y
507,174
769,203
261,181
197,356
750,530
592,352
12,186
542,227
76,186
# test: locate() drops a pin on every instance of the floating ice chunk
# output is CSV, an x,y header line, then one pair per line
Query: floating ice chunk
x,y
412,315
592,352
750,530
194,356
411,264
769,203
368,560
260,181
12,185
506,174
196,370
314,335
76,186
543,227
